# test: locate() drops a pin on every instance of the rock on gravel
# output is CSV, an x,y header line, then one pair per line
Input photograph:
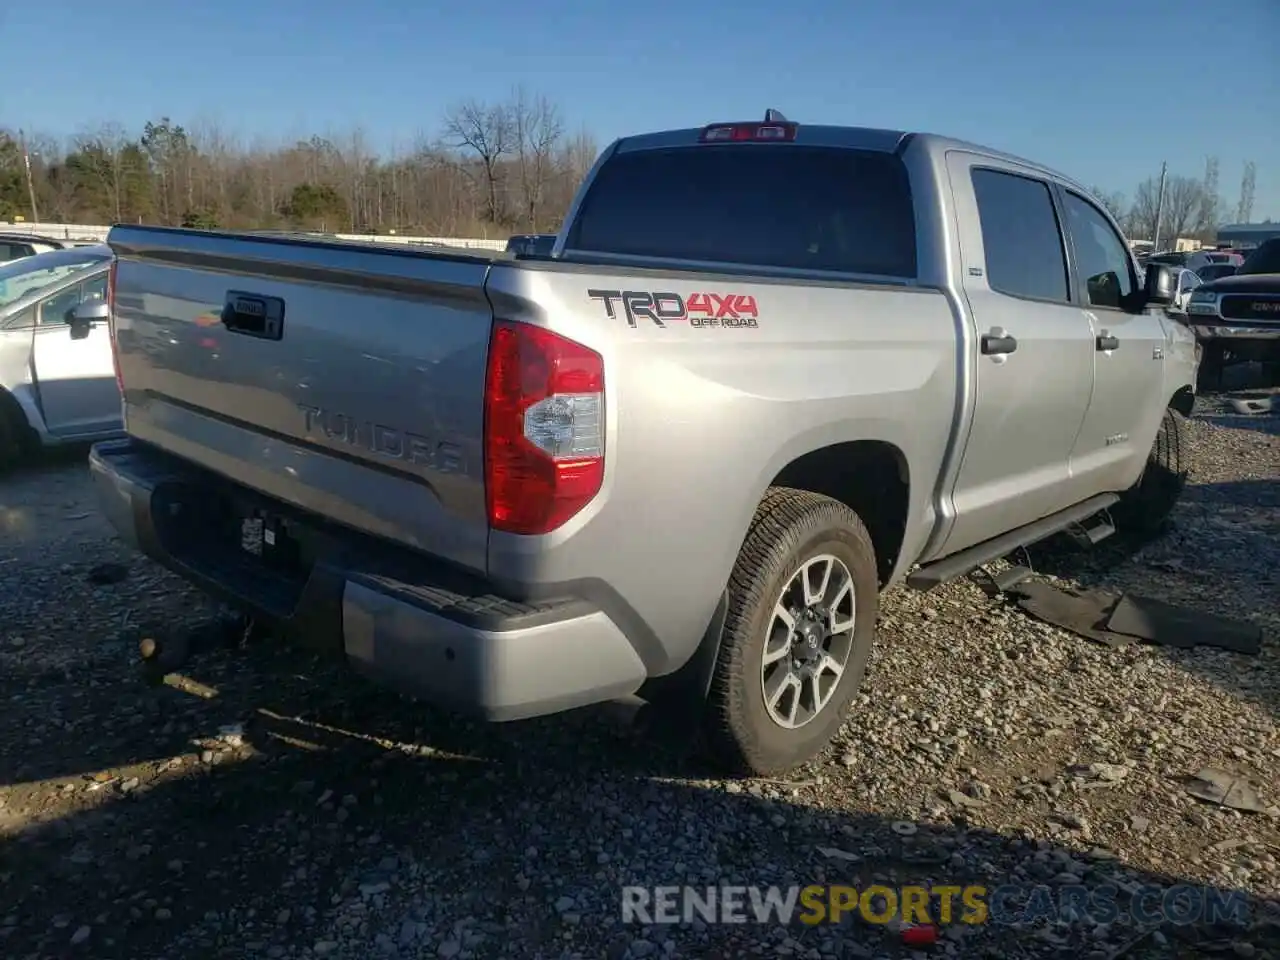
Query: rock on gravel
x,y
267,804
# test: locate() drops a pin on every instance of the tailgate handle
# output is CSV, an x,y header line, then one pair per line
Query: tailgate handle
x,y
253,315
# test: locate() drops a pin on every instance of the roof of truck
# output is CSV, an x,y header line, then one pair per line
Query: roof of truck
x,y
854,138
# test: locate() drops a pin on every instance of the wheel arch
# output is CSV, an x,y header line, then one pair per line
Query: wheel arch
x,y
1183,400
871,477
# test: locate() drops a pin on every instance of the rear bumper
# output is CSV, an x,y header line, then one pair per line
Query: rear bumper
x,y
437,635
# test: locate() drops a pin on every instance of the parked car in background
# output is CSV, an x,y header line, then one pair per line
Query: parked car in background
x,y
1169,259
1216,271
1188,281
1203,258
57,378
16,246
532,244
1237,318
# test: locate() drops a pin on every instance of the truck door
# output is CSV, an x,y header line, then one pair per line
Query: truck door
x,y
1128,383
1033,359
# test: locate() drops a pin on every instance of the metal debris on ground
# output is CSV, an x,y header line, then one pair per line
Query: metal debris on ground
x,y
1225,789
1118,620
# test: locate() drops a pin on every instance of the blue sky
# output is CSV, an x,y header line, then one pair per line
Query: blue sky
x,y
1103,90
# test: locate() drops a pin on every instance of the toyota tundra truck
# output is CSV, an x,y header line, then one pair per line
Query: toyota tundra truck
x,y
769,370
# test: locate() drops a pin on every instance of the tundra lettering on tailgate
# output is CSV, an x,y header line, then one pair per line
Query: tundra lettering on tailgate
x,y
725,311
382,440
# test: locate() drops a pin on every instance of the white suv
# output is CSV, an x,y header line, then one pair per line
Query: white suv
x,y
15,246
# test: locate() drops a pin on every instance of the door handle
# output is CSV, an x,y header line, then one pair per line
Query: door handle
x,y
1107,342
253,315
994,344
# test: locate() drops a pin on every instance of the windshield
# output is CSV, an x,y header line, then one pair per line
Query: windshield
x,y
1265,259
19,278
1216,271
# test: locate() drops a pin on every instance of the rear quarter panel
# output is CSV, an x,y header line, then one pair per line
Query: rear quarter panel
x,y
701,420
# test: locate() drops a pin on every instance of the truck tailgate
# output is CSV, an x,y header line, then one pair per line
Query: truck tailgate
x,y
342,378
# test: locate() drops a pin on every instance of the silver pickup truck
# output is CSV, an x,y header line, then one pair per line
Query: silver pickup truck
x,y
770,370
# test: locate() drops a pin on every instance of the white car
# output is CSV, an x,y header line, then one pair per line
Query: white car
x,y
1188,280
16,246
57,378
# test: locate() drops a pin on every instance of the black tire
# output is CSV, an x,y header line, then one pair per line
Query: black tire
x,y
15,442
1211,367
789,528
1145,508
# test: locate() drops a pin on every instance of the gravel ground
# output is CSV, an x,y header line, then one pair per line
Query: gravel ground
x,y
267,804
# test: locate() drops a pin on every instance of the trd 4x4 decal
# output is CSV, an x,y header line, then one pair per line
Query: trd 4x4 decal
x,y
729,311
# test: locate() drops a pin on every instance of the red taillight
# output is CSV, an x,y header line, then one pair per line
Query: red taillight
x,y
111,323
543,428
749,133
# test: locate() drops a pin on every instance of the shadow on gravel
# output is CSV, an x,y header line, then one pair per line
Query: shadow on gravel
x,y
1262,423
528,830
51,458
1212,558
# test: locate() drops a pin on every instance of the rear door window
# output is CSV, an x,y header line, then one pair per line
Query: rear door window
x,y
1020,236
763,205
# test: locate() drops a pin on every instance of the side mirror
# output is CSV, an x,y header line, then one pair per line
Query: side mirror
x,y
90,311
1160,286
81,319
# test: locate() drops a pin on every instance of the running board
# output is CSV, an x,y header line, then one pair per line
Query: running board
x,y
966,561
1091,532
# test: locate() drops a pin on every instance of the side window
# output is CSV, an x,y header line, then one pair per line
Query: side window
x,y
95,289
1021,237
53,310
18,321
1101,255
9,251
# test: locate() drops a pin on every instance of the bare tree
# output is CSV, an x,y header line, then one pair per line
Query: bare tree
x,y
491,168
1208,217
487,131
1183,201
537,129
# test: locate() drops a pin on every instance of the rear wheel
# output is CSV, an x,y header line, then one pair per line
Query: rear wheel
x,y
803,600
1144,509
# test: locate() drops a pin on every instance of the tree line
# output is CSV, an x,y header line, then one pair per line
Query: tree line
x,y
1193,207
491,170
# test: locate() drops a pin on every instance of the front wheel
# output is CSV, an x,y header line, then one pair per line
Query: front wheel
x,y
803,600
1145,507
